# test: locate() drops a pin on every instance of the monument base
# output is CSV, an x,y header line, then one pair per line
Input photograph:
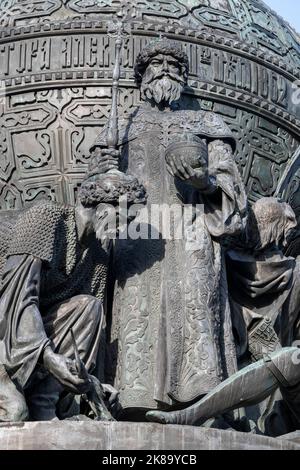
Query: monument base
x,y
91,435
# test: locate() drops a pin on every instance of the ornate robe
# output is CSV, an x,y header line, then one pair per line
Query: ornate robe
x,y
171,336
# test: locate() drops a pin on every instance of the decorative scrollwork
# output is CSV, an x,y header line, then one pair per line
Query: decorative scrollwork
x,y
31,161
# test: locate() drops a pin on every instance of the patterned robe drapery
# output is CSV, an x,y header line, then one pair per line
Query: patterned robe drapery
x,y
171,335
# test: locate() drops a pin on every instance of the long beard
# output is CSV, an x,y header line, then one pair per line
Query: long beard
x,y
163,89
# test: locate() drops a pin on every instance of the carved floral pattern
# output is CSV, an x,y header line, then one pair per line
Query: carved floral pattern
x,y
63,123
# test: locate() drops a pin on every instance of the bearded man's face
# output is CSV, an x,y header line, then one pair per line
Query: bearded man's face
x,y
163,80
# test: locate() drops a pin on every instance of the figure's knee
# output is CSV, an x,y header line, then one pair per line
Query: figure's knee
x,y
84,314
87,298
89,311
92,306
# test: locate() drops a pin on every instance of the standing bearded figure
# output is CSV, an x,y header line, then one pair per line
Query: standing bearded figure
x,y
171,337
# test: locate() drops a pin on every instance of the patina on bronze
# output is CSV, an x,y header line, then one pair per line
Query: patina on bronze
x,y
170,313
203,110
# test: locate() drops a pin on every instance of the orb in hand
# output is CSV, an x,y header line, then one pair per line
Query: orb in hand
x,y
191,148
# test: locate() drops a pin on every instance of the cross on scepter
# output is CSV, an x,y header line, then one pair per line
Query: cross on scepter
x,y
119,29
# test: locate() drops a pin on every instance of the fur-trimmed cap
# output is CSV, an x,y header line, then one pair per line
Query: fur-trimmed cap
x,y
160,46
109,188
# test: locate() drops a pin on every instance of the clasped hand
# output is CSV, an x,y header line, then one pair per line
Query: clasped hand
x,y
67,374
108,159
65,371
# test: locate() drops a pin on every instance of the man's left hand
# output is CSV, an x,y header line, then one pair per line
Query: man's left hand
x,y
180,168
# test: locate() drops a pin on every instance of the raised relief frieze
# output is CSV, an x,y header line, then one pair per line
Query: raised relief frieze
x,y
16,12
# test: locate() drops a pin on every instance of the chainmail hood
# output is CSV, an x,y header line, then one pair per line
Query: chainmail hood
x,y
48,231
37,229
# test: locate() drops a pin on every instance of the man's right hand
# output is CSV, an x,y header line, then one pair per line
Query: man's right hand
x,y
65,371
108,159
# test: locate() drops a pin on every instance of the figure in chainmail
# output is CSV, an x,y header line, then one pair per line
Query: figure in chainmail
x,y
53,278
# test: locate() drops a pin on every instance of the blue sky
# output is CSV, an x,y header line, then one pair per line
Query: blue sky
x,y
288,9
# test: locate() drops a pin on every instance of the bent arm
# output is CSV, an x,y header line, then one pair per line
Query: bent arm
x,y
226,203
22,334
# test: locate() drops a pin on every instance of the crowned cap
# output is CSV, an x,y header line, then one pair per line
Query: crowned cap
x,y
109,188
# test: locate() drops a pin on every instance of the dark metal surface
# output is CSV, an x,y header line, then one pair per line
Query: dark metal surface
x,y
68,104
57,64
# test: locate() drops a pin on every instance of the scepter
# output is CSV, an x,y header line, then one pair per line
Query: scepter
x,y
119,30
112,185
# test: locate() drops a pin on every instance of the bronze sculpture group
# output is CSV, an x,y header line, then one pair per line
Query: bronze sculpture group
x,y
178,332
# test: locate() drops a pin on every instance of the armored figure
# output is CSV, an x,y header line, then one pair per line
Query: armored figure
x,y
54,270
171,333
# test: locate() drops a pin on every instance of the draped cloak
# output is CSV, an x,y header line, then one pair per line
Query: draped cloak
x,y
50,283
171,334
264,287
